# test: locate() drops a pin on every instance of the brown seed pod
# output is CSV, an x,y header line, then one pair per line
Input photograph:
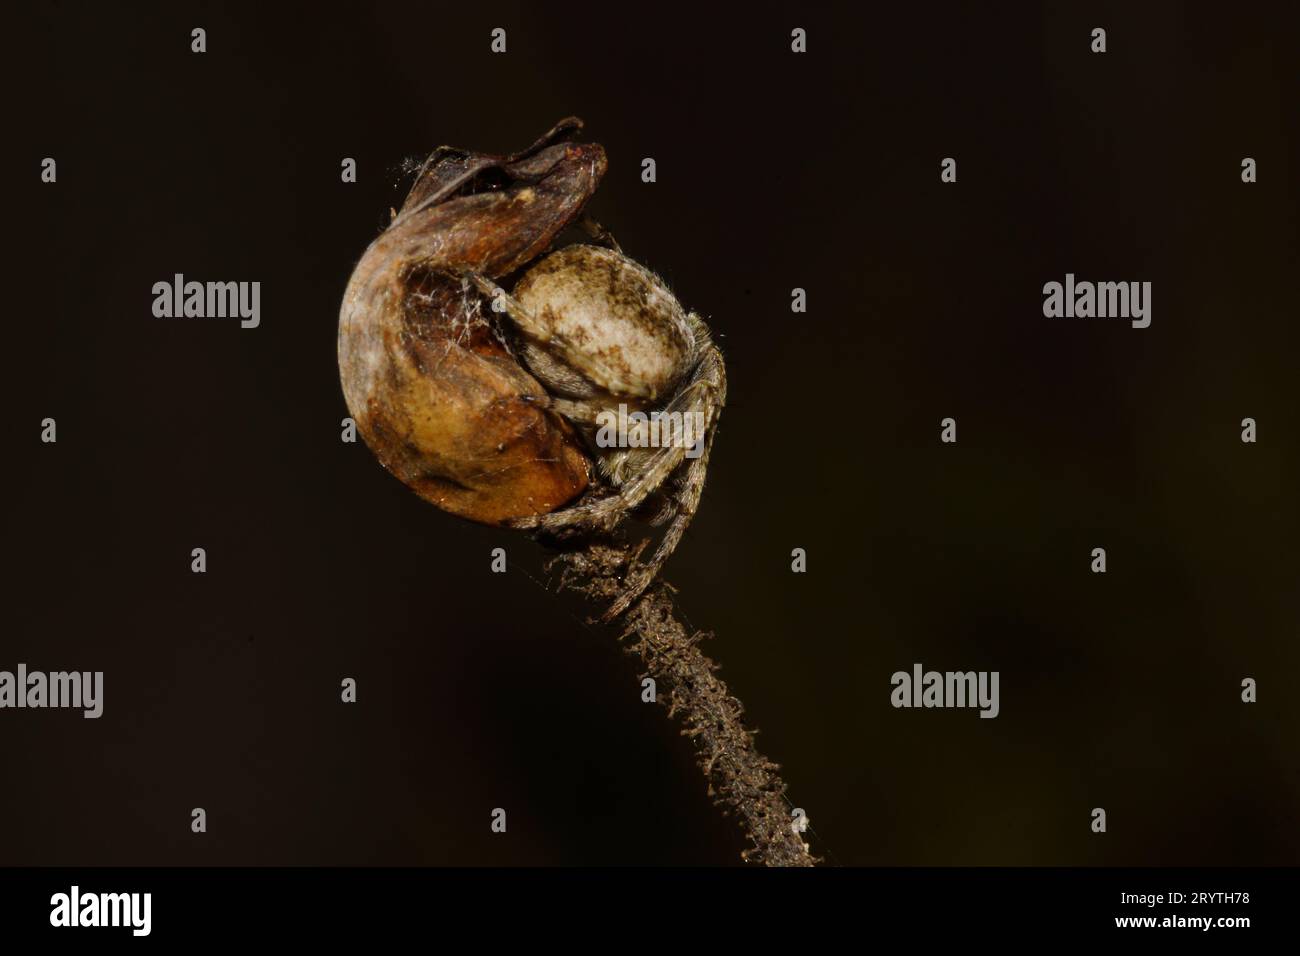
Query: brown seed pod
x,y
434,392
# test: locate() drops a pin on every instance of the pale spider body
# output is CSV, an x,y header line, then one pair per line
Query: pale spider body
x,y
600,331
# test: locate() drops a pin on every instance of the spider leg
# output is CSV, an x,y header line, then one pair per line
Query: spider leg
x,y
710,379
599,233
603,514
685,503
584,413
704,396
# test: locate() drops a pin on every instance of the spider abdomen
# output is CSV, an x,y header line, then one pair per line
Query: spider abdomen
x,y
622,330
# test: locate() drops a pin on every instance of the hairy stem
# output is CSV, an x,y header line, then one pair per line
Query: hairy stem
x,y
740,779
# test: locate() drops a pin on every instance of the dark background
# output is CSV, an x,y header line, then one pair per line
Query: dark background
x,y
774,171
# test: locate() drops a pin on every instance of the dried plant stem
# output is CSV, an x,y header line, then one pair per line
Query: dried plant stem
x,y
740,779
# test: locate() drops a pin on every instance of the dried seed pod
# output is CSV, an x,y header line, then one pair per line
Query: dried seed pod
x,y
435,394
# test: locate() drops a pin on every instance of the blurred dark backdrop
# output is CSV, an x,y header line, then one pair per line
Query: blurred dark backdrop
x,y
774,171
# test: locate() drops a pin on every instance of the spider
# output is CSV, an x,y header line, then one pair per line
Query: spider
x,y
604,335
